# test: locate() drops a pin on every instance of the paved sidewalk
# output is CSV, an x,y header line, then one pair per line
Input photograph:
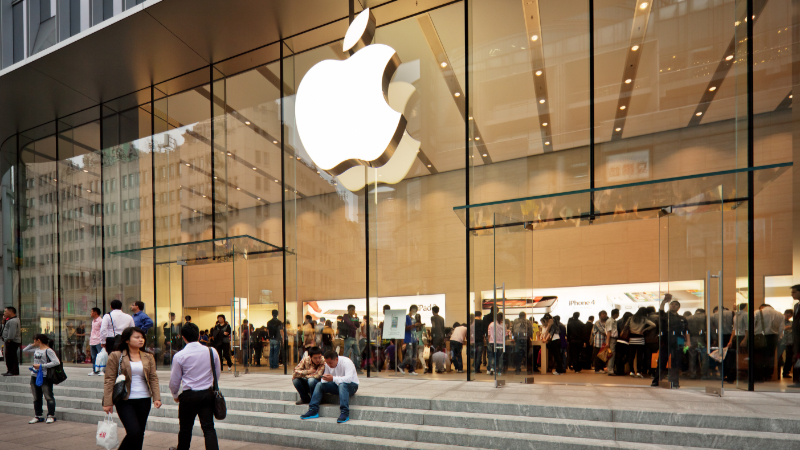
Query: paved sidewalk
x,y
16,433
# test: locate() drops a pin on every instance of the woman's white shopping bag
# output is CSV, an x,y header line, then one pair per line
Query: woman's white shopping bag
x,y
107,433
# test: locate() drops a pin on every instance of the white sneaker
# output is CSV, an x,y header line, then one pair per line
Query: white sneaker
x,y
50,419
36,420
91,374
413,373
638,375
555,373
229,369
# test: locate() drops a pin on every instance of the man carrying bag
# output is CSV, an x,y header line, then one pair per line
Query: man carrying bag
x,y
200,397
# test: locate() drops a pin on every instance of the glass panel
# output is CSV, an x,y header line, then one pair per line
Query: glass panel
x,y
79,169
692,274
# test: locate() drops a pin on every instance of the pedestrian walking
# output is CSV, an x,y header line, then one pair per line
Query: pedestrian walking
x,y
43,358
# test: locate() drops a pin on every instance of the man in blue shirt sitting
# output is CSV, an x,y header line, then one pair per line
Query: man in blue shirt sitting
x,y
140,319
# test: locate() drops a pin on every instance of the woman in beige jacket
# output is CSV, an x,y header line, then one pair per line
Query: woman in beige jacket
x,y
139,368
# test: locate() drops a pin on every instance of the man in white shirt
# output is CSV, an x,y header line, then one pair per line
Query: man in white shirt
x,y
114,323
192,367
769,323
340,378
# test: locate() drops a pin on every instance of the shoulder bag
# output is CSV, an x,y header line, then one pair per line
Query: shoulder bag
x,y
55,374
220,409
120,390
117,337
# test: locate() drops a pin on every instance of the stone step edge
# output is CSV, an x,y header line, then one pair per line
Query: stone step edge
x,y
312,439
685,419
477,416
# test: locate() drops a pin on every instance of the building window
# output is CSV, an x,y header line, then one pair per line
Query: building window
x,y
18,19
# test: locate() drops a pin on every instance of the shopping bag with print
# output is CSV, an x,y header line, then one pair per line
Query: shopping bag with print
x,y
107,433
100,361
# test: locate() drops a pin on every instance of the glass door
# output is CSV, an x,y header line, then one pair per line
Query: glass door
x,y
691,288
509,335
169,312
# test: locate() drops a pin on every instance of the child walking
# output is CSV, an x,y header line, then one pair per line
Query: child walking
x,y
44,357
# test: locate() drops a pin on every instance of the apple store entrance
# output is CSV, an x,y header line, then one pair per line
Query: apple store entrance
x,y
580,278
200,281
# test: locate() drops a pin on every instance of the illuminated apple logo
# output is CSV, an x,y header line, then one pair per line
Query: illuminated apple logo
x,y
343,111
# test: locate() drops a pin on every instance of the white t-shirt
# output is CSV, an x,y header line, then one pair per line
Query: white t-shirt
x,y
139,387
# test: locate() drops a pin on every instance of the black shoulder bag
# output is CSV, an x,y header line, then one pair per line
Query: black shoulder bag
x,y
55,374
220,409
120,390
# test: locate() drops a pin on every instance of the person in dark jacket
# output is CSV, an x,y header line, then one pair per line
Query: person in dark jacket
x,y
480,341
586,339
796,336
221,339
575,338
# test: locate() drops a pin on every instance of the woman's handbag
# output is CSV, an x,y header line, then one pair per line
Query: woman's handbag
x,y
220,409
626,334
120,390
55,374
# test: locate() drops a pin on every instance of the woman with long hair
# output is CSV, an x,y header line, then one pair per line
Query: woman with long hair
x,y
139,368
638,324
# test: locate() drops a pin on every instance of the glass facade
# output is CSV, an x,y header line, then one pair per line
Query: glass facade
x,y
572,158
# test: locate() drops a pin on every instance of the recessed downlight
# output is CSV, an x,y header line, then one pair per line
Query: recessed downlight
x,y
698,114
712,89
635,47
628,81
617,129
729,57
535,37
622,108
443,64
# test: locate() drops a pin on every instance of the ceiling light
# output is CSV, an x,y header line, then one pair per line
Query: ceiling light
x,y
54,179
298,158
443,64
635,47
230,154
534,37
622,108
712,89
699,114
277,181
457,94
643,5
188,165
89,190
538,73
318,171
429,165
618,129
215,178
729,57
195,210
547,143
790,95
628,81
274,142
477,138
258,198
485,155
247,122
204,196
541,101
470,118
544,124
238,189
85,170
254,168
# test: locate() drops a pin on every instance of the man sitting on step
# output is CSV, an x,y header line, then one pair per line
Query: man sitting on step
x,y
307,374
340,378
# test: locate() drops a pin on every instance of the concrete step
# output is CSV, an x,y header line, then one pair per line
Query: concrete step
x,y
91,387
320,438
450,427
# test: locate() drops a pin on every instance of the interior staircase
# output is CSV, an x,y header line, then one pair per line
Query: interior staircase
x,y
384,422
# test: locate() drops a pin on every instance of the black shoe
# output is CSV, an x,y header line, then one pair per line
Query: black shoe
x,y
10,374
654,383
300,402
342,418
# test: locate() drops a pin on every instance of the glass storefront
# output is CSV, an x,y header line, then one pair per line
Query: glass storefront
x,y
558,159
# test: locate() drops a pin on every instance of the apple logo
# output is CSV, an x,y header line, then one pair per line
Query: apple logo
x,y
347,111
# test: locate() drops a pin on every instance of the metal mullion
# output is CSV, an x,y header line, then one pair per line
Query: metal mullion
x,y
283,218
58,247
467,91
102,209
751,275
153,196
591,107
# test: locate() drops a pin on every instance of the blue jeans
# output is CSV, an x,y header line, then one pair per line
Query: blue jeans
x,y
95,349
274,352
410,359
305,387
496,358
456,347
350,344
477,351
344,391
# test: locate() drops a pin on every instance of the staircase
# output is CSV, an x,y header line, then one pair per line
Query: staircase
x,y
391,422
